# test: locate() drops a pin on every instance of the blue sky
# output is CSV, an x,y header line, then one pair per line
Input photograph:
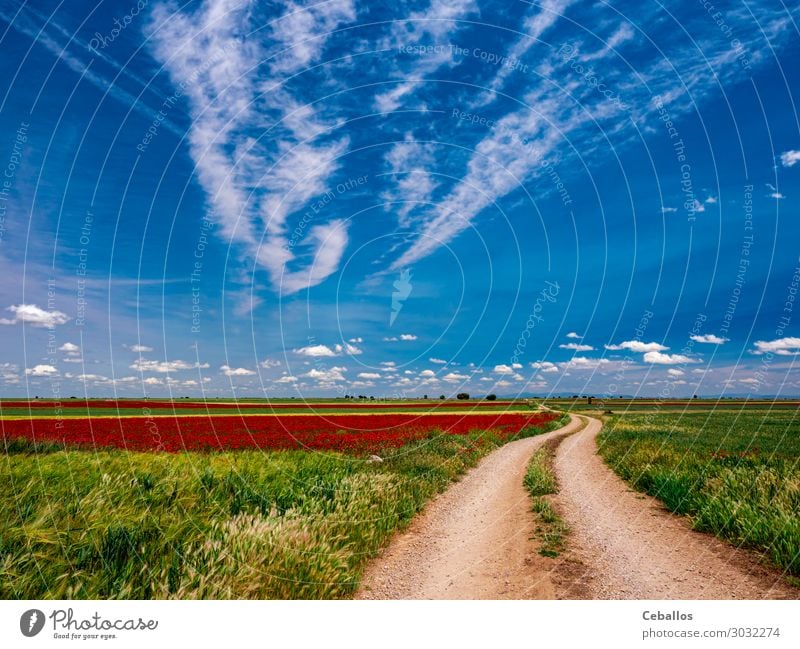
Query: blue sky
x,y
397,199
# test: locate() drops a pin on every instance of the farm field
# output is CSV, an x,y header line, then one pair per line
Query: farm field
x,y
261,506
734,473
622,406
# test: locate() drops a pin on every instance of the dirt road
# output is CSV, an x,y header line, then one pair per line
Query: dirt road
x,y
472,541
632,548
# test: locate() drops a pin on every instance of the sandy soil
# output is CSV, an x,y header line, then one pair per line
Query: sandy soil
x,y
631,547
473,541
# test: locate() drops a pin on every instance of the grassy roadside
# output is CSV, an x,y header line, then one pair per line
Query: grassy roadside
x,y
244,524
736,475
540,481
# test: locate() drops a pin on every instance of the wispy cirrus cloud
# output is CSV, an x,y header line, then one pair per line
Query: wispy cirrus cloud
x,y
566,113
260,151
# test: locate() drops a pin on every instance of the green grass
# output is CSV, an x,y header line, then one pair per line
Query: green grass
x,y
540,481
736,474
245,524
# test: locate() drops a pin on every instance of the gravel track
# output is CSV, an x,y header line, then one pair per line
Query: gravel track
x,y
631,547
477,539
473,540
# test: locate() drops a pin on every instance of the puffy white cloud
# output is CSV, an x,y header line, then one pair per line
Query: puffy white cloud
x,y
583,363
710,339
503,369
638,346
140,348
268,363
437,361
327,375
544,366
34,316
674,372
790,158
70,348
401,337
780,346
369,375
454,377
426,374
315,351
227,370
41,370
143,365
319,351
356,340
572,334
657,358
577,347
287,379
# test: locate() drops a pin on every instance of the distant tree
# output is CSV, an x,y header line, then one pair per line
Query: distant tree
x,y
463,396
694,397
441,396
491,397
372,398
424,396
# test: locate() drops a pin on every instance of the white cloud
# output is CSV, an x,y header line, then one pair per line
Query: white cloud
x,y
41,370
9,373
268,363
143,365
437,361
503,369
140,348
638,346
287,379
657,358
152,380
34,316
426,374
318,351
574,335
790,158
711,200
583,363
235,371
402,337
577,347
710,339
234,87
454,377
674,372
545,366
70,349
369,375
666,210
327,375
356,340
315,351
780,346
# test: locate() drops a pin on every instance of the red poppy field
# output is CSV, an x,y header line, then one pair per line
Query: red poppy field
x,y
346,433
